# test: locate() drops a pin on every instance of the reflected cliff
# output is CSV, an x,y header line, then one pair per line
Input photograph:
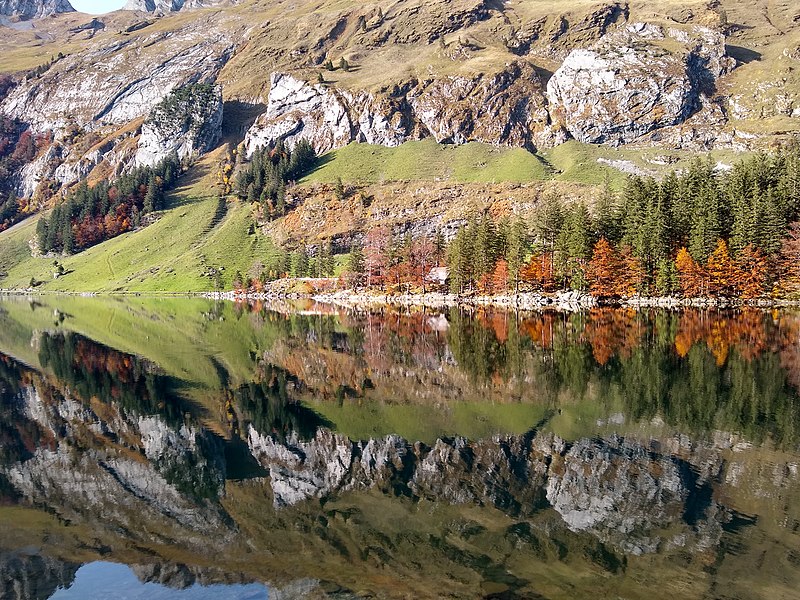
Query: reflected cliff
x,y
309,451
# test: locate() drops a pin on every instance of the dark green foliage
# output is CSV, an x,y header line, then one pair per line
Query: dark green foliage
x,y
91,215
263,179
178,108
266,404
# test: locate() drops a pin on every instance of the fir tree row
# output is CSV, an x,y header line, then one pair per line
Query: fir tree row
x,y
90,215
263,179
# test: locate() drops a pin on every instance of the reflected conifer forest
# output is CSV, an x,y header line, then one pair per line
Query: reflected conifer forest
x,y
182,448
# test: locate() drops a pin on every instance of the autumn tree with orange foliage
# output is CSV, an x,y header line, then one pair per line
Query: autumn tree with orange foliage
x,y
632,273
691,275
789,262
604,270
752,271
500,276
538,272
723,278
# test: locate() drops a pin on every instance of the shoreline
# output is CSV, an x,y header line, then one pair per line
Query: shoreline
x,y
524,301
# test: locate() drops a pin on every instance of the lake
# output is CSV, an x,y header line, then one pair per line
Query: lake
x,y
185,448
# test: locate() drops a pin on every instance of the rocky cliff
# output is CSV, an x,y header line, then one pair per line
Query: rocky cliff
x,y
630,82
166,6
33,9
604,73
505,108
188,122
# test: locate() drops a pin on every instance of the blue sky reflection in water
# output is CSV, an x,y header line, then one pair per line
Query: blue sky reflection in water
x,y
104,580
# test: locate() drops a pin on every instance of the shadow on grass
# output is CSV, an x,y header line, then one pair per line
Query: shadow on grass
x,y
741,54
320,163
183,193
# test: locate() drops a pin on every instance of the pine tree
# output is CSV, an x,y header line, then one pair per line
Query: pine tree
x,y
770,225
460,259
666,277
338,189
300,263
355,261
152,197
548,223
485,244
607,215
705,226
67,239
42,235
516,250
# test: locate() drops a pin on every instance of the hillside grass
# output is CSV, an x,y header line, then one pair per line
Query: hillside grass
x,y
196,232
426,160
199,232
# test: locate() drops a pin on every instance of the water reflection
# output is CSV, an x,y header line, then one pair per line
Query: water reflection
x,y
102,580
633,454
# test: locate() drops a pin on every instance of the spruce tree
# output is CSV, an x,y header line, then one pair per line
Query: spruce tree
x,y
516,250
485,239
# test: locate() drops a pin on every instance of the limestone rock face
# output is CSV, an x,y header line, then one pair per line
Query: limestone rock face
x,y
166,6
505,108
114,84
629,83
299,110
104,90
33,9
187,122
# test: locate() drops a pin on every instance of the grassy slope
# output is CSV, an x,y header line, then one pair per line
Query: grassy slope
x,y
196,232
427,160
170,255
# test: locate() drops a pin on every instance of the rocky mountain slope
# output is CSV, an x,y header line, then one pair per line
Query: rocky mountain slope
x,y
688,76
31,9
161,7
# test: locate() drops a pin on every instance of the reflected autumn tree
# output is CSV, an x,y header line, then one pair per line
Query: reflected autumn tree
x,y
92,370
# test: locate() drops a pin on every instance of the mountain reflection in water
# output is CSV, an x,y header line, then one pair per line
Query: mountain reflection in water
x,y
184,448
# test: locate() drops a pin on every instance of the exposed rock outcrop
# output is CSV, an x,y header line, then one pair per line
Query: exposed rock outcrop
x,y
33,9
115,84
187,122
505,108
629,83
166,6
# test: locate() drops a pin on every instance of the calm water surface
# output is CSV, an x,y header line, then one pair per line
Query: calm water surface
x,y
180,448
